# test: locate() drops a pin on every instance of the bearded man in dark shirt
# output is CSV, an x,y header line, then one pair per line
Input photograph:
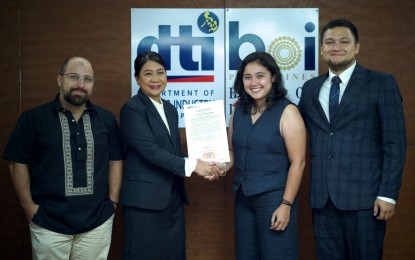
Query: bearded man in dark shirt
x,y
65,161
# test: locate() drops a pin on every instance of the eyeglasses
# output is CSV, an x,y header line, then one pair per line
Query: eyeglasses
x,y
75,77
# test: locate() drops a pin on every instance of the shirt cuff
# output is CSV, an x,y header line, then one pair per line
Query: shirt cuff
x,y
387,199
189,166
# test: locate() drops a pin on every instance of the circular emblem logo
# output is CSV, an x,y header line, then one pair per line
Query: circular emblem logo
x,y
208,22
286,52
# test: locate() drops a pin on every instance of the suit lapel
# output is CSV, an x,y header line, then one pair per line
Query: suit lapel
x,y
354,88
153,111
316,101
172,121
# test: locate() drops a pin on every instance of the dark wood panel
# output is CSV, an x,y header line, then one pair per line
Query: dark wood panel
x,y
50,31
11,236
400,238
205,219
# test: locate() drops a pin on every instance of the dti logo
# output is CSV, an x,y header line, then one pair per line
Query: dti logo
x,y
208,23
285,50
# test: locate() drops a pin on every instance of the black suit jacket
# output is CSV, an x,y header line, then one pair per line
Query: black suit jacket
x,y
153,156
361,154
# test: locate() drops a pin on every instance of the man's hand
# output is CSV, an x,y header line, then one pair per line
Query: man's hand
x,y
383,210
205,170
30,211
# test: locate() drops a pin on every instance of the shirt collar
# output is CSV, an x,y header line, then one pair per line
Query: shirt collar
x,y
159,106
345,75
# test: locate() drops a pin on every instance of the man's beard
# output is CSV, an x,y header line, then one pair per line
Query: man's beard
x,y
76,100
340,66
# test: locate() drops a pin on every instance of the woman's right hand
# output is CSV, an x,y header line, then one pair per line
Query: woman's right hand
x,y
206,170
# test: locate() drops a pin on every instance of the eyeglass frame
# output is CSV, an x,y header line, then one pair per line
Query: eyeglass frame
x,y
89,79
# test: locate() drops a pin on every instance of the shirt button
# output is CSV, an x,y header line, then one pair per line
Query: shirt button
x,y
329,157
79,148
331,134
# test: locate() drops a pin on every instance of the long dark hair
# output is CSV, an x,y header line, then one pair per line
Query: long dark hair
x,y
278,90
145,56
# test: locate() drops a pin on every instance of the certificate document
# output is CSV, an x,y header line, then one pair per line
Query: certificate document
x,y
206,131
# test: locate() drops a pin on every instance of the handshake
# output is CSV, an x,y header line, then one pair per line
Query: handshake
x,y
211,170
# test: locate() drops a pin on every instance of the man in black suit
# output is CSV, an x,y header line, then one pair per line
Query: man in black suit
x,y
357,148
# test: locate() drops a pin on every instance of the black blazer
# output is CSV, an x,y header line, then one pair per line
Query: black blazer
x,y
361,154
153,154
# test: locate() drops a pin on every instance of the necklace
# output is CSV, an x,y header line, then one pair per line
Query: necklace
x,y
258,110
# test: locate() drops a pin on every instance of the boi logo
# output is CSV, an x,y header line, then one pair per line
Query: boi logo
x,y
285,49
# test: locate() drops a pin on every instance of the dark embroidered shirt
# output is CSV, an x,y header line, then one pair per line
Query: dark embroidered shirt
x,y
68,164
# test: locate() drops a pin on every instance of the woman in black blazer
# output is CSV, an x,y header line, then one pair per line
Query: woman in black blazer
x,y
153,190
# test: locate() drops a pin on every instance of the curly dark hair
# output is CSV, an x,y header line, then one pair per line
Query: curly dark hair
x,y
277,92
